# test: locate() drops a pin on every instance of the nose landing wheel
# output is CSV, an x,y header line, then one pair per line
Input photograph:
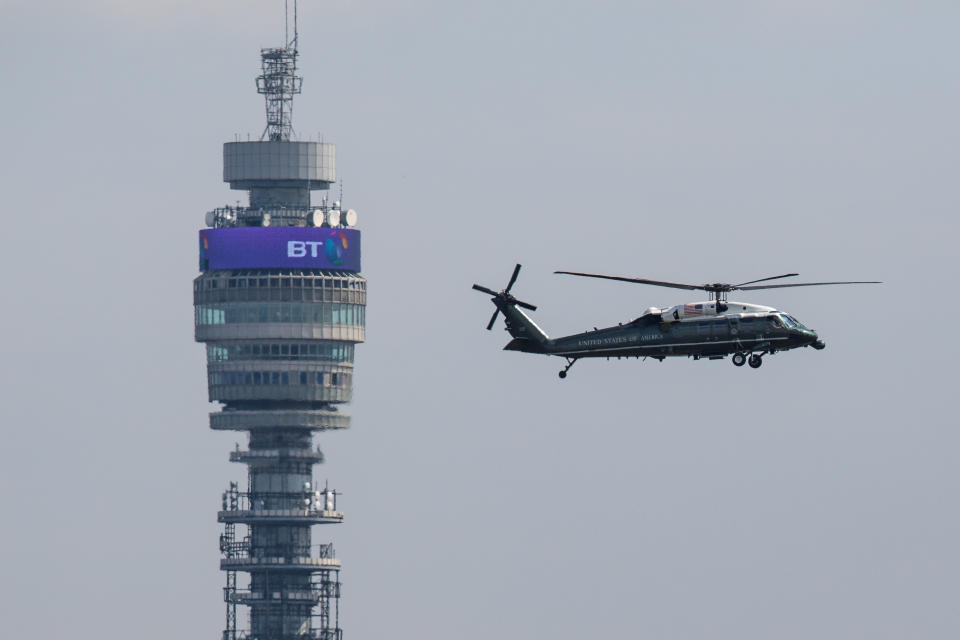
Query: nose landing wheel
x,y
755,361
739,359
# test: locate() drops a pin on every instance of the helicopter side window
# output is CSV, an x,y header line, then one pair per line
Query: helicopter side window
x,y
775,322
718,328
685,329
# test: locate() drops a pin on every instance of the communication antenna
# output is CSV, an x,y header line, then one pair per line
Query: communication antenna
x,y
290,44
278,81
333,218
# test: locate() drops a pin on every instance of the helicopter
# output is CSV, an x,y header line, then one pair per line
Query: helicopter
x,y
712,329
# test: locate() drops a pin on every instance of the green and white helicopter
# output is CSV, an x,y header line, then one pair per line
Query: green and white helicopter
x,y
712,329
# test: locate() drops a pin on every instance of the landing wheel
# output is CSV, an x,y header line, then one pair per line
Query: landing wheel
x,y
739,359
755,361
570,363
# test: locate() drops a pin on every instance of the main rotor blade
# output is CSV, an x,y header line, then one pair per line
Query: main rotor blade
x,y
657,283
513,278
807,284
485,290
493,319
525,305
786,275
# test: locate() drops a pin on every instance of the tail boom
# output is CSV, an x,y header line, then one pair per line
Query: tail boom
x,y
527,336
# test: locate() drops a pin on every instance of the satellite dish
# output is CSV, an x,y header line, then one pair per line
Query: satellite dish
x,y
316,218
350,218
333,218
209,218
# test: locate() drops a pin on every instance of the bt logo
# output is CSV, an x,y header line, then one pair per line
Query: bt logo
x,y
334,248
298,248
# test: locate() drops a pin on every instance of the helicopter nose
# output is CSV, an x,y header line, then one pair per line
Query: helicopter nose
x,y
814,340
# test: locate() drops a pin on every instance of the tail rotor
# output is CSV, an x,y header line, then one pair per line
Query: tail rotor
x,y
504,297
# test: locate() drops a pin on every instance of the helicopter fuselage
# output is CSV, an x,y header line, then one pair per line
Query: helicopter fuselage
x,y
694,330
713,329
713,335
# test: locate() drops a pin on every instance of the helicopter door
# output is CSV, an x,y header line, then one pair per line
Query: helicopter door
x,y
733,324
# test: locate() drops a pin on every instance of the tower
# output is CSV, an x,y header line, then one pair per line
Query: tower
x,y
280,306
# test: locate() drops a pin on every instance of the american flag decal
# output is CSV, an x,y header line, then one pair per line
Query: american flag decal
x,y
693,309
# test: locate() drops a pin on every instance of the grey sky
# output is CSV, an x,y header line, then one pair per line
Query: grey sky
x,y
693,141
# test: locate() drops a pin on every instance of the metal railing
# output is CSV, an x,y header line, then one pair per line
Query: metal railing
x,y
278,216
317,591
309,500
312,634
263,454
242,550
222,217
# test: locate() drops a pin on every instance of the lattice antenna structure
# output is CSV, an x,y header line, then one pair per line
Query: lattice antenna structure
x,y
278,81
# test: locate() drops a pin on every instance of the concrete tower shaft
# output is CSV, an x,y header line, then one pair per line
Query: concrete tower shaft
x,y
280,305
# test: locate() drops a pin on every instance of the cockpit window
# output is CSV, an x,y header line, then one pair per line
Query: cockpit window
x,y
796,322
789,321
775,321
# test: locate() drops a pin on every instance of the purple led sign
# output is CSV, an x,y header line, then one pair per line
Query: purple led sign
x,y
280,248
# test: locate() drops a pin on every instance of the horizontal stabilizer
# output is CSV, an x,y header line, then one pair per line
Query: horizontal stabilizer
x,y
524,344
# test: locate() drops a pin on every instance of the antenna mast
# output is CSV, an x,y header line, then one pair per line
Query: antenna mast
x,y
278,81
